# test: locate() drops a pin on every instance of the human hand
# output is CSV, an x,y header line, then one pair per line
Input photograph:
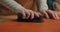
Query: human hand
x,y
46,12
26,14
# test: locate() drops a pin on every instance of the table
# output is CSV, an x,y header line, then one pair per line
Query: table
x,y
10,25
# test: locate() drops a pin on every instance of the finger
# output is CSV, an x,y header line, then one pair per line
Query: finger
x,y
56,16
52,13
45,14
28,15
36,14
32,14
23,15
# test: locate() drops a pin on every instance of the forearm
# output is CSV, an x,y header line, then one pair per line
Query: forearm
x,y
12,5
43,5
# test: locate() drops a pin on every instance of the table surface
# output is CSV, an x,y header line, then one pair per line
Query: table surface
x,y
10,25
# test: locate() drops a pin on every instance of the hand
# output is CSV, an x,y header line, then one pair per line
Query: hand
x,y
26,13
46,12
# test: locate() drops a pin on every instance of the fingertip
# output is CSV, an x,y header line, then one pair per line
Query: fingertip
x,y
23,15
28,15
56,15
36,14
32,15
47,17
57,18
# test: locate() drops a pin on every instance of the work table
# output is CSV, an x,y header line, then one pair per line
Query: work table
x,y
11,25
